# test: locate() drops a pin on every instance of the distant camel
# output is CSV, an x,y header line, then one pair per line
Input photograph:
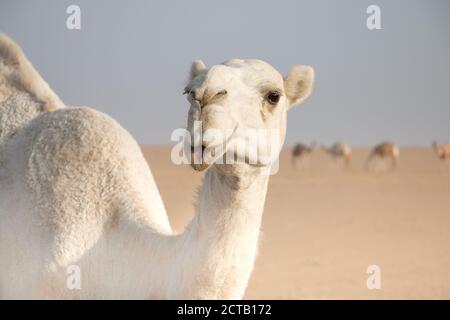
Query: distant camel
x,y
338,151
301,152
383,151
443,152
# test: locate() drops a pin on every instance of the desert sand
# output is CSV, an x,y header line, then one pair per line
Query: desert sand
x,y
323,225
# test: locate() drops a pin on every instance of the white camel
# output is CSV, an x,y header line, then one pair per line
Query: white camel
x,y
76,193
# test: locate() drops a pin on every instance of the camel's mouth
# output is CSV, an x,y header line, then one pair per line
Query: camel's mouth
x,y
203,156
198,153
228,152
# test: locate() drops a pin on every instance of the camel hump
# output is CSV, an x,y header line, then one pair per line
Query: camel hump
x,y
386,148
19,72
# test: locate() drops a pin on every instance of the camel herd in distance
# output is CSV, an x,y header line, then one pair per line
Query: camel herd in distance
x,y
384,156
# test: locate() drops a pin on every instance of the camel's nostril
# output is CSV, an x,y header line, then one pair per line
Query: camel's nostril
x,y
218,95
222,92
193,93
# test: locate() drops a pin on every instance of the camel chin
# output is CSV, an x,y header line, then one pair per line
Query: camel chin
x,y
200,167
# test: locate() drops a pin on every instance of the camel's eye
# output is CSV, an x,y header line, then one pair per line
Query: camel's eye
x,y
273,97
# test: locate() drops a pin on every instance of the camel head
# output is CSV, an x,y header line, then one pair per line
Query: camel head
x,y
238,111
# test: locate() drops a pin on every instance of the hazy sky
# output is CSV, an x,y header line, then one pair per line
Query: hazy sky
x,y
130,59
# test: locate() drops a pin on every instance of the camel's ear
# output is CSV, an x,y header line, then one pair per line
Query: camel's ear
x,y
298,84
196,68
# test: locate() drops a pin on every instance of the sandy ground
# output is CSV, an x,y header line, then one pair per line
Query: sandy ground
x,y
323,226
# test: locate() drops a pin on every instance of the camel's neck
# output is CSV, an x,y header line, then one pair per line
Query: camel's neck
x,y
220,244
